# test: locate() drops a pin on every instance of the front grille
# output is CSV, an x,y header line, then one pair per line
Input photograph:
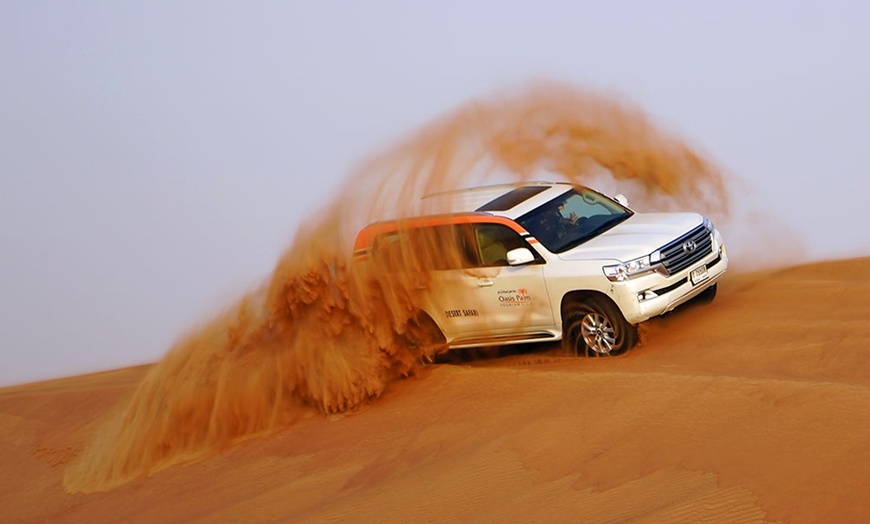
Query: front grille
x,y
680,282
686,250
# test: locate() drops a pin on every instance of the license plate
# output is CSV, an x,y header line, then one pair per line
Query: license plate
x,y
699,275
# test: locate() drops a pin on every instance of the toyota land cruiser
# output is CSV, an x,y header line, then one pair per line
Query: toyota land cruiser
x,y
547,261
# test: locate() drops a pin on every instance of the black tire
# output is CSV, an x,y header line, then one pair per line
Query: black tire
x,y
426,338
707,296
594,326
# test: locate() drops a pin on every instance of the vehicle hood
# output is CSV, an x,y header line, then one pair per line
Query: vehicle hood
x,y
638,236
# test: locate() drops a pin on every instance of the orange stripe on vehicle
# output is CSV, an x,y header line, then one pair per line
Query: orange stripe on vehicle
x,y
366,237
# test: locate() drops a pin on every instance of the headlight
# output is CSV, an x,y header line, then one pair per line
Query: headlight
x,y
708,224
626,270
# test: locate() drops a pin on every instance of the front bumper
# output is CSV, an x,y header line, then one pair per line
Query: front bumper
x,y
652,295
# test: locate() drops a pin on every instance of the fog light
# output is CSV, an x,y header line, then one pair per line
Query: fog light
x,y
646,295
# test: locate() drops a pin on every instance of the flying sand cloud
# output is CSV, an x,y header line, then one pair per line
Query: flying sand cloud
x,y
321,334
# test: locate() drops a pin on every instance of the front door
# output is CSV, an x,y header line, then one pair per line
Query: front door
x,y
514,299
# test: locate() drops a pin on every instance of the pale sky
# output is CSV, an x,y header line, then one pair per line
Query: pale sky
x,y
157,157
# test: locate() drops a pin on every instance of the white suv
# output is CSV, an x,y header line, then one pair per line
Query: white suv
x,y
549,261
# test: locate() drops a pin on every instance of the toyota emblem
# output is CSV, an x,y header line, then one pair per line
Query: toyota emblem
x,y
689,246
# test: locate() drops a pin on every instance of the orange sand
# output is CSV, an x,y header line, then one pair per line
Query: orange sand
x,y
326,333
306,400
753,409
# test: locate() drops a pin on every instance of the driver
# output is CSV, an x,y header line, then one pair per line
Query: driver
x,y
571,219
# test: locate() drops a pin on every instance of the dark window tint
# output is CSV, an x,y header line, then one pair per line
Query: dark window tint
x,y
573,218
438,248
495,240
510,200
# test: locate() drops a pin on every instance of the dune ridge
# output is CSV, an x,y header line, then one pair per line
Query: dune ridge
x,y
691,425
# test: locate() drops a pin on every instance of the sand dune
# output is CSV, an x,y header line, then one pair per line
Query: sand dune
x,y
753,409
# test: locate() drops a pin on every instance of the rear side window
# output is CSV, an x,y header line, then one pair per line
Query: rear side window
x,y
436,248
456,246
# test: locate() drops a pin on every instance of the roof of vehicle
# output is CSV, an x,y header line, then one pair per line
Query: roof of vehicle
x,y
493,203
507,200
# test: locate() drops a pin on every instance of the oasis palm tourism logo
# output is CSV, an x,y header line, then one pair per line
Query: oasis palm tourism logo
x,y
514,297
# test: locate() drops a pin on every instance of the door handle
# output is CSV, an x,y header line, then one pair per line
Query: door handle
x,y
485,282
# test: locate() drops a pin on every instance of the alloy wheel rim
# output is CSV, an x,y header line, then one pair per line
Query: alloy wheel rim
x,y
598,333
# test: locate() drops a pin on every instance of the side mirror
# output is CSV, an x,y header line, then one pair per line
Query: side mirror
x,y
622,199
520,256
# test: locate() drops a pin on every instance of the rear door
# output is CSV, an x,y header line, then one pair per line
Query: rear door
x,y
452,296
434,265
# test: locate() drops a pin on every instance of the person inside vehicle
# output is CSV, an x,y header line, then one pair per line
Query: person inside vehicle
x,y
571,219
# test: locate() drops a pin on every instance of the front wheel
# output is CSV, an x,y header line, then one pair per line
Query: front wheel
x,y
707,296
595,327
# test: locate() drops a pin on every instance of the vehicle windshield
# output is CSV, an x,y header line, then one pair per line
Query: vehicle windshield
x,y
573,218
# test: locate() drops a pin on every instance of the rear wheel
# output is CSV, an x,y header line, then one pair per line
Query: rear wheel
x,y
595,327
426,338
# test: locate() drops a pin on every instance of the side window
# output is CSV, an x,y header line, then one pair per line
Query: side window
x,y
494,241
389,248
435,247
449,246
